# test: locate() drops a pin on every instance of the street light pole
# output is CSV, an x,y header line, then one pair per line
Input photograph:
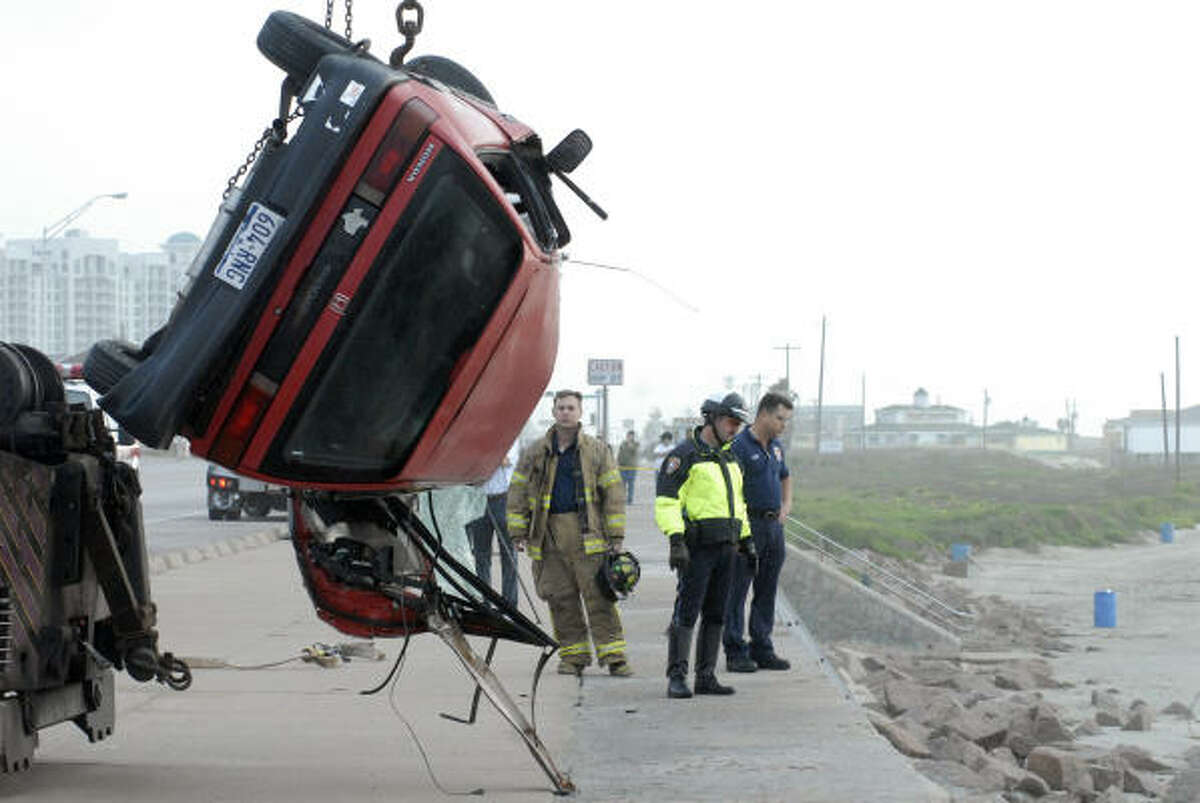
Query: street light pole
x,y
57,227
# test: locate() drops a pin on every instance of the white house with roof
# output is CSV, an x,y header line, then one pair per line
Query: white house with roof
x,y
921,424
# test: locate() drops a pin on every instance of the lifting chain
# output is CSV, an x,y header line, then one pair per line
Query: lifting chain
x,y
409,26
329,16
274,134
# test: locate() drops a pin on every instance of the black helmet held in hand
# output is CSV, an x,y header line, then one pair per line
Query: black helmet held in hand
x,y
618,575
731,404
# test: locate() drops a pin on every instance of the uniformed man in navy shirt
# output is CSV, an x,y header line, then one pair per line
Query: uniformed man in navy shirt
x,y
768,500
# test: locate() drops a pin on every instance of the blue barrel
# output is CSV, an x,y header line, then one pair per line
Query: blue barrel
x,y
1105,613
959,553
1167,531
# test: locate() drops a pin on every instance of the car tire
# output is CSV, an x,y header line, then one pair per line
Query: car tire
x,y
295,44
450,73
215,515
107,364
257,508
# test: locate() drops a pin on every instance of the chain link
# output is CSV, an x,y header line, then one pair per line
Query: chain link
x,y
409,28
349,17
275,133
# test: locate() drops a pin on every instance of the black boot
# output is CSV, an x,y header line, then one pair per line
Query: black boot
x,y
679,644
706,661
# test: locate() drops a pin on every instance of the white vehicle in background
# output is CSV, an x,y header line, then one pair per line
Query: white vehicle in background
x,y
129,451
230,494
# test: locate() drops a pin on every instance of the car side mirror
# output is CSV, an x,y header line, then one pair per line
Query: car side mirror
x,y
570,153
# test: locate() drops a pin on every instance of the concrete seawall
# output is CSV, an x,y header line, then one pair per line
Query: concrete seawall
x,y
837,609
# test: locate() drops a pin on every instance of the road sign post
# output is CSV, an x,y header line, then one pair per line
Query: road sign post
x,y
605,373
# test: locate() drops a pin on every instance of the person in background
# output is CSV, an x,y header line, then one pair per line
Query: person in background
x,y
566,508
495,520
662,449
700,509
768,502
627,458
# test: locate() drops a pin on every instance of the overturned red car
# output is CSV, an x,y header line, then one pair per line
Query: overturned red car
x,y
373,313
377,308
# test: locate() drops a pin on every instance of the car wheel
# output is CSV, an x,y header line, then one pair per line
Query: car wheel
x,y
257,508
295,44
450,73
233,514
107,363
215,515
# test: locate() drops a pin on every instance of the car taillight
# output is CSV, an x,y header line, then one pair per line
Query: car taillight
x,y
239,426
394,151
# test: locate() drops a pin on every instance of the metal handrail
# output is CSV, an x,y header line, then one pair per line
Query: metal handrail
x,y
915,597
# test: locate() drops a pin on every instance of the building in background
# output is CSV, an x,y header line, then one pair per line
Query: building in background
x,y
62,295
1025,436
921,424
1139,436
841,427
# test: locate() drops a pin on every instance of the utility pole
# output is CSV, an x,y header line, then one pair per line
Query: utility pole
x,y
1177,423
820,387
787,350
1162,380
983,433
863,413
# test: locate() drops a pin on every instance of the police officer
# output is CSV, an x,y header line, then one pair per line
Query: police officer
x,y
701,510
768,501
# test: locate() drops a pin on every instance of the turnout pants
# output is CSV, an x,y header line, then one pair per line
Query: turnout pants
x,y
566,578
768,540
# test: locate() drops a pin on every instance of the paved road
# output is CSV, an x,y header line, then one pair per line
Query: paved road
x,y
174,507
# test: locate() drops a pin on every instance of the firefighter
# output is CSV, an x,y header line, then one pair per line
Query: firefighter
x,y
701,510
566,508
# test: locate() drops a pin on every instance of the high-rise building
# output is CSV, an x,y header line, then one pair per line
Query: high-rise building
x,y
64,294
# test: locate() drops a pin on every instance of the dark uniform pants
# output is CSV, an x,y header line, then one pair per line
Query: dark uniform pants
x,y
494,519
704,587
768,540
563,576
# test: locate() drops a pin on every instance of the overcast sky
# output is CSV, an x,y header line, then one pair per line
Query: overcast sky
x,y
997,195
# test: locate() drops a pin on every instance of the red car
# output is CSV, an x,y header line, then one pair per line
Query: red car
x,y
375,312
377,309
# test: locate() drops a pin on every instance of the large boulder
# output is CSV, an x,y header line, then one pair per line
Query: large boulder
x,y
1184,787
1048,727
1142,783
1060,770
1140,718
904,695
904,739
1108,709
1140,759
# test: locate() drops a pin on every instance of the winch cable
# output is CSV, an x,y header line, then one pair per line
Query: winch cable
x,y
394,678
395,667
674,297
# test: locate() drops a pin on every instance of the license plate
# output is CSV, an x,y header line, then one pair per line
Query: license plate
x,y
248,245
